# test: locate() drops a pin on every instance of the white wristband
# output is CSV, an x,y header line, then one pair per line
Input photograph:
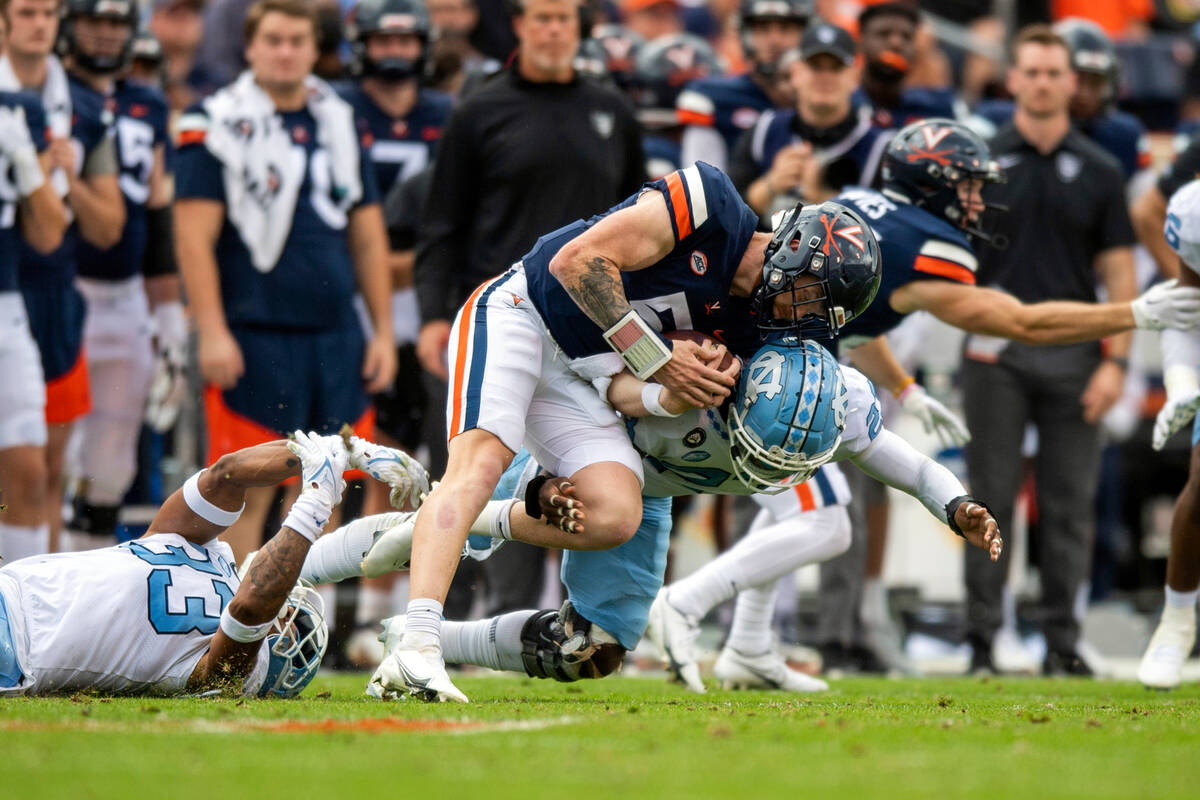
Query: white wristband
x,y
309,516
638,345
204,509
241,632
27,170
652,400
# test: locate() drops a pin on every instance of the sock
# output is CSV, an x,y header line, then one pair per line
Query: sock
x,y
493,643
768,551
751,631
22,541
873,608
1181,599
423,622
338,554
494,521
374,603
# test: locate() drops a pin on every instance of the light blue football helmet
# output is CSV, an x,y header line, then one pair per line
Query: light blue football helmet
x,y
787,416
296,643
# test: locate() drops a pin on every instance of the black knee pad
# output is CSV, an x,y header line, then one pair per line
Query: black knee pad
x,y
565,646
93,520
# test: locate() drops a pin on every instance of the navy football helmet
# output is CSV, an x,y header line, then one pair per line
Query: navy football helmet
x,y
1093,52
296,644
662,69
387,16
927,160
787,416
620,48
826,259
120,11
752,11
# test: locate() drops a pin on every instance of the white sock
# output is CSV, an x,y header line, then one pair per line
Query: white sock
x,y
374,604
494,521
338,554
493,643
423,622
1181,599
22,541
768,551
751,631
873,608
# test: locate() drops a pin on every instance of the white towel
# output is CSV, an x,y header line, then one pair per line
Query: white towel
x,y
56,100
263,171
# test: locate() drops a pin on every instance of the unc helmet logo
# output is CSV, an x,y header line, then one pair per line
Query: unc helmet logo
x,y
765,376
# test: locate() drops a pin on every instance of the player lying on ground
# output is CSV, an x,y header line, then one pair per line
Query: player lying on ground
x,y
1176,633
168,613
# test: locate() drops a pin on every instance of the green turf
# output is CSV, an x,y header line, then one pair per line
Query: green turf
x,y
623,737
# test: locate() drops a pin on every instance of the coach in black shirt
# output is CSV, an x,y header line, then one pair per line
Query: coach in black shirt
x,y
532,149
1067,229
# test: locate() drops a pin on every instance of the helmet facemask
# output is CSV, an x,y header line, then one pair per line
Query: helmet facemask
x,y
296,643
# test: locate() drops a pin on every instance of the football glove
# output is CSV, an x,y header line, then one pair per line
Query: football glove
x,y
403,473
1167,305
934,416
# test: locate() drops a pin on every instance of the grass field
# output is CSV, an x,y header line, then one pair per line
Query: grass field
x,y
622,737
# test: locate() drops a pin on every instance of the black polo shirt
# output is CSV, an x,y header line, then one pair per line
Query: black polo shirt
x,y
1065,207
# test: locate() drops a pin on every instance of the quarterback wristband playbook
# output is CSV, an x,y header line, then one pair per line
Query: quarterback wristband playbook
x,y
204,509
638,345
952,509
240,631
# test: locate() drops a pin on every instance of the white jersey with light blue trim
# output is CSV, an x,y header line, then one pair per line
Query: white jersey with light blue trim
x,y
689,454
135,618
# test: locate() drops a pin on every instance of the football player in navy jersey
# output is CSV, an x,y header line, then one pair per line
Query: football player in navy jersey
x,y
278,225
83,158
660,71
33,210
887,37
827,139
716,110
587,301
131,287
1093,106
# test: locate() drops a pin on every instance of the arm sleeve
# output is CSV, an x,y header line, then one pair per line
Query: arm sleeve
x,y
446,219
895,462
101,159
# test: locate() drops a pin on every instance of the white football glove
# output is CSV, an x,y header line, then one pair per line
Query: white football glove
x,y
402,472
1167,305
1175,415
934,416
323,459
17,145
168,387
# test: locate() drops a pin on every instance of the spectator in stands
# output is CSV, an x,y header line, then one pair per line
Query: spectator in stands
x,y
828,141
271,284
531,149
652,19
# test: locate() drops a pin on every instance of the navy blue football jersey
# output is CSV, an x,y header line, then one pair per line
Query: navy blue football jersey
x,y
10,235
400,147
852,159
915,104
139,128
662,155
312,285
686,290
731,104
914,245
91,124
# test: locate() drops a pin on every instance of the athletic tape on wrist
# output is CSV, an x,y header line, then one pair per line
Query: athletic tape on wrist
x,y
652,400
308,516
638,345
241,632
204,509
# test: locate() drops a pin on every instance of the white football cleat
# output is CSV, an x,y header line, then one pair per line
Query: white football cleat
x,y
736,670
1169,647
675,636
392,549
407,671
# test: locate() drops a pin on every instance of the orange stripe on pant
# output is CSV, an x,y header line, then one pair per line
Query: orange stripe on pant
x,y
804,492
229,431
69,397
460,362
946,269
679,206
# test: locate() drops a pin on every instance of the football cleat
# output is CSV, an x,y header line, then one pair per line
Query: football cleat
x,y
408,671
392,549
675,636
736,670
1168,649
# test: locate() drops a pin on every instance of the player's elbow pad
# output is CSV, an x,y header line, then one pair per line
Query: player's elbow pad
x,y
159,258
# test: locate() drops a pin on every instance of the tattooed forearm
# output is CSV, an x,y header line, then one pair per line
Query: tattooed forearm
x,y
272,576
596,288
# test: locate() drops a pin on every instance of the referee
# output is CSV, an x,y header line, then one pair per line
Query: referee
x,y
1068,228
532,149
